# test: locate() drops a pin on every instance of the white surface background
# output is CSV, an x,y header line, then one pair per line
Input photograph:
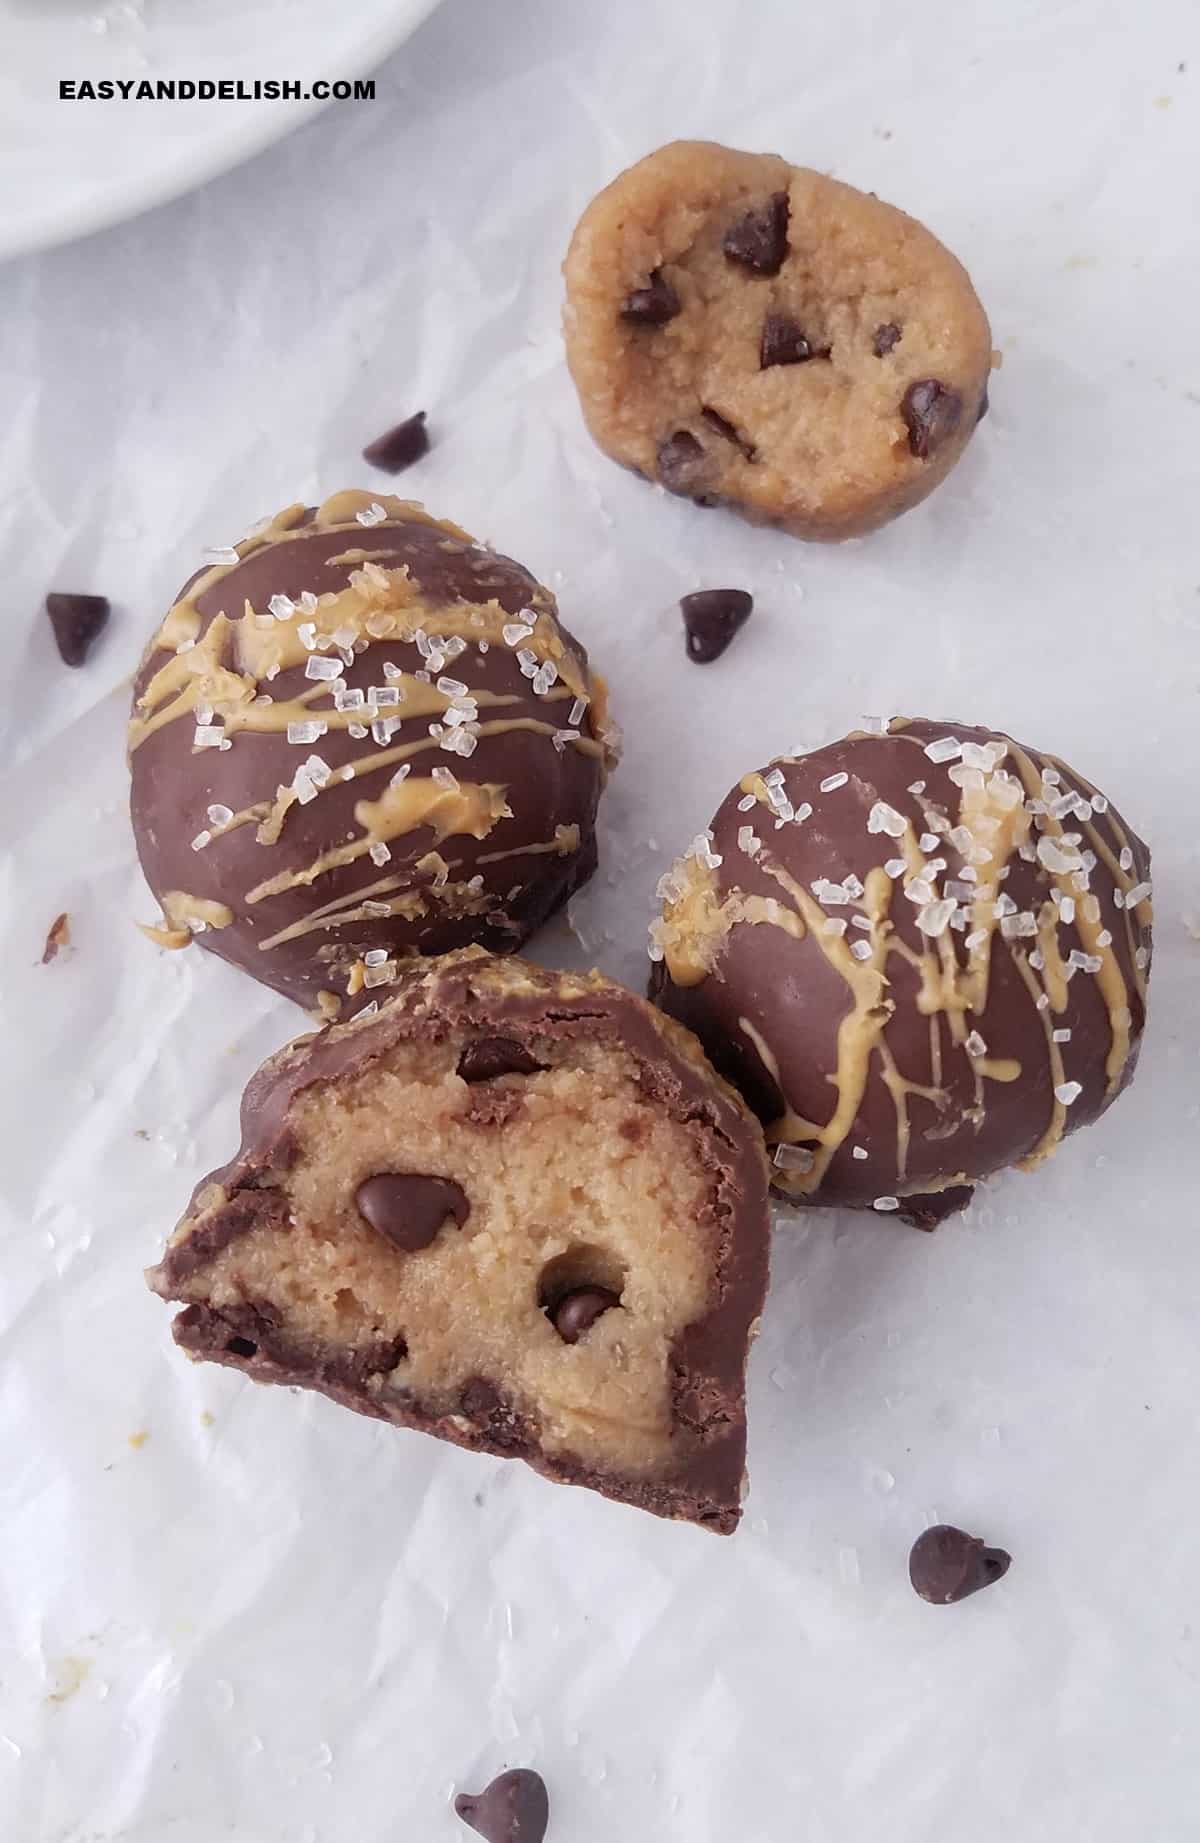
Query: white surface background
x,y
289,1626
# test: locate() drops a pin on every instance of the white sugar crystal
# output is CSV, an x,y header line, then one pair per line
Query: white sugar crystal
x,y
885,818
975,1045
1019,927
1139,893
974,755
834,924
747,802
917,788
1068,1091
1104,938
1037,959
380,975
670,886
920,892
307,602
1005,905
451,687
966,777
832,893
444,778
1091,909
701,848
316,667
391,670
934,918
886,1203
749,841
385,697
528,662
945,749
544,678
852,887
858,1151
976,939
861,921
379,853
373,514
383,729
1061,1036
462,742
1066,909
344,636
861,950
1084,962
1051,776
561,738
346,699
961,892
513,632
832,782
1057,855
219,815
308,634
282,607
794,1158
311,730
773,778
802,812
376,908
357,730
1043,1001
896,867
402,773
575,716
319,771
208,736
1099,803
928,841
1141,959
221,553
201,839
376,957
302,786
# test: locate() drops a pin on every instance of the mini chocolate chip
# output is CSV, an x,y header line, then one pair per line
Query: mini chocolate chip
x,y
683,465
78,621
489,1057
886,336
514,1808
785,342
711,617
931,413
654,304
409,1208
576,1312
946,1564
927,1210
400,447
729,432
759,240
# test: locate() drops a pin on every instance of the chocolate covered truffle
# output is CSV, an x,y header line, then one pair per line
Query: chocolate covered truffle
x,y
921,952
513,1208
358,736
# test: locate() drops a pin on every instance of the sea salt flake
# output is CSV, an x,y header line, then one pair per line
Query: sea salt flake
x,y
1060,1036
749,841
945,749
402,773
747,803
1141,959
802,812
934,918
1139,893
219,815
201,839
444,778
1068,1091
976,938
832,782
858,1151
373,514
1099,803
1066,908
827,892
1056,855
208,736
379,853
282,607
794,1158
357,730
896,867
380,975
917,788
561,738
376,957
920,892
834,924
345,698
975,1045
222,553
575,715
885,818
316,667
886,1203
861,950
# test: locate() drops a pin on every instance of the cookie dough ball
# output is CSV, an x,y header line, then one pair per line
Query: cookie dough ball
x,y
512,1208
360,736
921,953
752,333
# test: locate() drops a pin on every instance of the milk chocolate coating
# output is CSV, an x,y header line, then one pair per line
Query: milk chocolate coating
x,y
174,784
791,993
701,1481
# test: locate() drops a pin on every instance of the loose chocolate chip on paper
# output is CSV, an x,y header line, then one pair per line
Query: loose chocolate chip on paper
x,y
931,413
785,342
886,337
514,1808
931,1208
409,1208
729,432
683,465
759,240
576,1312
947,1565
58,937
711,618
78,621
489,1057
654,304
400,447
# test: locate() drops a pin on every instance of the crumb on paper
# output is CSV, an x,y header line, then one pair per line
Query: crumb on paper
x,y
71,1673
138,1440
207,1419
58,937
141,1132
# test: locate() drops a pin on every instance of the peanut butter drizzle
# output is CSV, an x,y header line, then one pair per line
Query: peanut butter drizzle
x,y
565,840
1058,1114
468,806
178,910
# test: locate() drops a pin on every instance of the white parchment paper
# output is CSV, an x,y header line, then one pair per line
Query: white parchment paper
x,y
231,1613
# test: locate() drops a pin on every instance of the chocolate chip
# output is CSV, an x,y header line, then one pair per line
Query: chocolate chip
x,y
931,413
886,336
930,1208
78,621
759,240
483,1404
729,432
514,1808
711,618
577,1312
489,1057
947,1565
58,937
654,304
400,447
785,342
683,465
241,1347
410,1208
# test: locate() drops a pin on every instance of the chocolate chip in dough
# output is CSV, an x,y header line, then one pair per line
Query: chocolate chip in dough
x,y
711,618
886,337
683,465
577,1311
489,1057
514,1808
409,1208
759,240
931,413
785,342
400,447
652,305
946,1564
728,432
78,621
